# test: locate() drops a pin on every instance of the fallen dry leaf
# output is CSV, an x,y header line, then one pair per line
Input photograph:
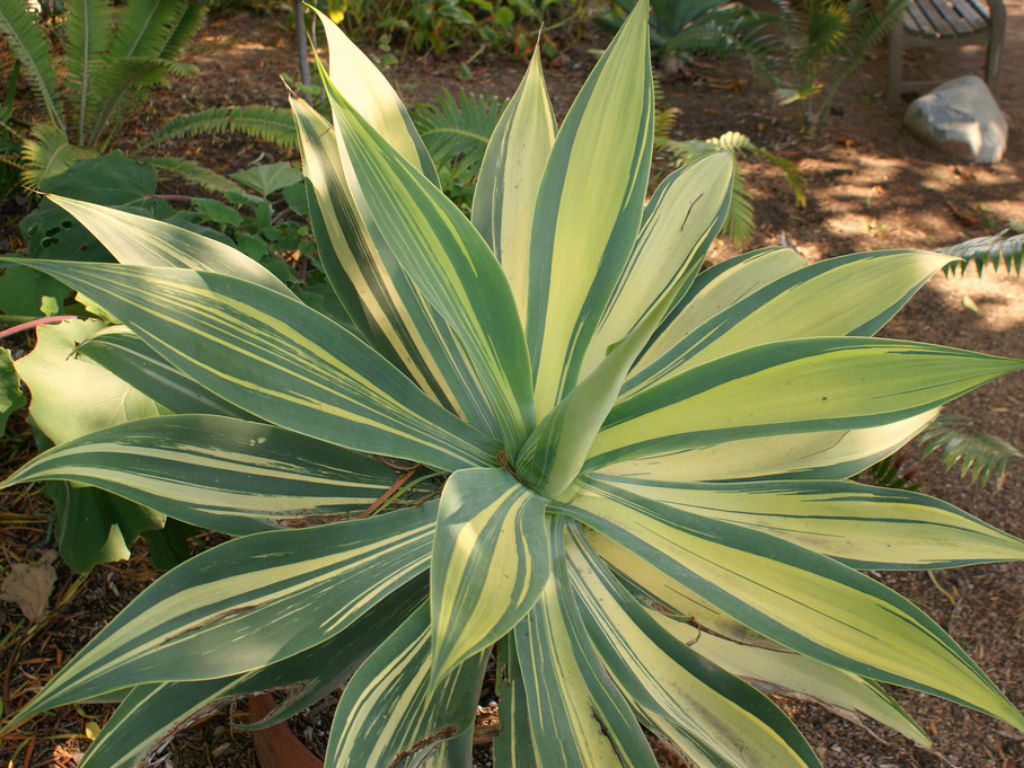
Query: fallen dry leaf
x,y
29,585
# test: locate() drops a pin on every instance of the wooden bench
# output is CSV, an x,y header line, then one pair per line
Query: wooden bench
x,y
929,23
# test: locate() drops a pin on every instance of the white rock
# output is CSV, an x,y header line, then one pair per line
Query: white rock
x,y
961,117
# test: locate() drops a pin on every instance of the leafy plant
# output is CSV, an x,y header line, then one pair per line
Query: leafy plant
x,y
644,499
112,58
813,47
1000,248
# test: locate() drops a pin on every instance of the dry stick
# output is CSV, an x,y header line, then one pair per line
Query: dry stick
x,y
388,493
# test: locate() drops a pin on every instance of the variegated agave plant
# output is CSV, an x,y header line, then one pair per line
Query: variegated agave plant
x,y
646,514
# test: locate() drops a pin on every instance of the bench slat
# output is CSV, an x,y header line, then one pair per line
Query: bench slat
x,y
941,27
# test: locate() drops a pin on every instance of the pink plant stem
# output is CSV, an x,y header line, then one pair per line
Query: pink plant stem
x,y
34,323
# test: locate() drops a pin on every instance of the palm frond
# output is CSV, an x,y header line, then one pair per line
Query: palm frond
x,y
272,124
982,456
193,172
455,129
991,249
32,51
88,29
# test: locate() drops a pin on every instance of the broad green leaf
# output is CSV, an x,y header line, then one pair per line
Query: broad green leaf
x,y
149,711
366,89
449,263
395,680
588,209
715,718
72,397
555,451
267,179
279,360
788,387
805,601
11,398
395,317
217,472
852,295
513,744
577,716
715,290
510,174
823,455
246,604
489,565
683,217
791,674
134,239
125,355
866,527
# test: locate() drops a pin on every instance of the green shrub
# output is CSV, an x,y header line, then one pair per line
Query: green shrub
x,y
644,505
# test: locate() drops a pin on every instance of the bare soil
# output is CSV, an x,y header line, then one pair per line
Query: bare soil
x,y
870,186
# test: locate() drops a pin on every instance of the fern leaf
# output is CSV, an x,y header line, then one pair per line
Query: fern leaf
x,y
145,26
32,51
982,456
272,124
193,172
993,249
88,31
188,25
456,128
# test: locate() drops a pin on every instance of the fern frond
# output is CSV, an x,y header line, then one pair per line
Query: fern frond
x,y
991,249
188,25
273,124
88,31
193,172
890,473
456,128
32,51
982,456
48,153
145,26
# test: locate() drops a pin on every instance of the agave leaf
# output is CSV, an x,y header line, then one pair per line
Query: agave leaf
x,y
449,263
396,318
863,526
715,718
804,385
831,455
805,601
134,239
576,713
489,565
588,210
32,50
279,360
715,290
791,674
371,95
246,604
217,472
510,177
395,679
126,356
513,744
151,710
851,295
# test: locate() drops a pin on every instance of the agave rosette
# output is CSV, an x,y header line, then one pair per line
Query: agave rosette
x,y
646,516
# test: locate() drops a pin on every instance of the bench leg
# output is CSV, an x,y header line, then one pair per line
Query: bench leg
x,y
997,34
893,86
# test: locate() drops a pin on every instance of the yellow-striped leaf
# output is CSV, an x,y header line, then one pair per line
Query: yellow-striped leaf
x,y
577,715
279,360
863,526
513,744
805,601
805,385
712,716
389,713
246,604
217,472
489,565
510,176
589,208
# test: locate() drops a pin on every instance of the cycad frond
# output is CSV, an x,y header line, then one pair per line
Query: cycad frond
x,y
981,455
188,25
145,26
47,153
33,52
455,129
88,30
992,249
193,172
272,124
